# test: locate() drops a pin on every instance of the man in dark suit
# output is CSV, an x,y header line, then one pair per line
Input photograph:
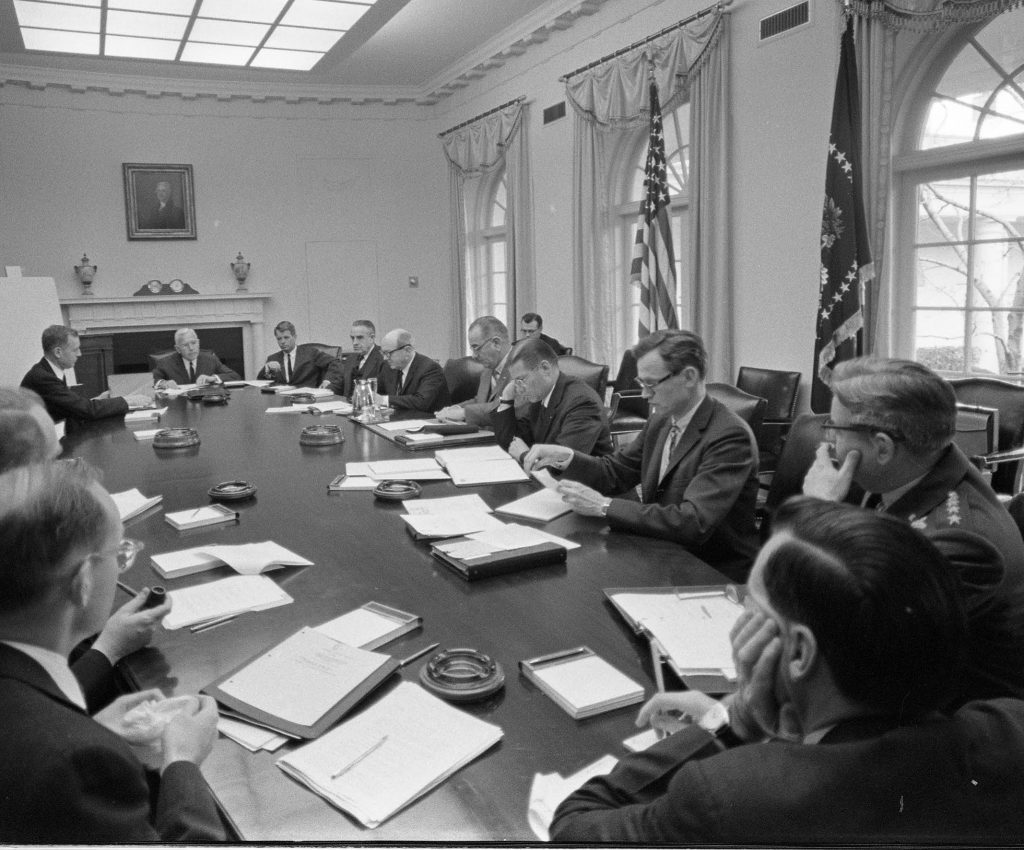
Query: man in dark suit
x,y
64,776
695,459
562,410
189,365
412,381
164,214
849,645
891,426
365,362
489,342
531,327
61,349
299,365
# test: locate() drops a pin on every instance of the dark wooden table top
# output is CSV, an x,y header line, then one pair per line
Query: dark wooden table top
x,y
361,552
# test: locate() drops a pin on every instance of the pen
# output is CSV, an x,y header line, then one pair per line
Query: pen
x,y
373,748
417,654
194,513
211,624
127,589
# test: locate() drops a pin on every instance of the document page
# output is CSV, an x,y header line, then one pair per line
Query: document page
x,y
587,682
448,505
132,503
389,754
357,628
303,677
543,506
440,526
185,561
223,597
253,558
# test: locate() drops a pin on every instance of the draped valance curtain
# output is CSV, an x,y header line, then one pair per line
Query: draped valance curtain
x,y
495,141
691,62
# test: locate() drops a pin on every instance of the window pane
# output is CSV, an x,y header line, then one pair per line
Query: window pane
x,y
942,211
939,340
497,218
942,277
1006,115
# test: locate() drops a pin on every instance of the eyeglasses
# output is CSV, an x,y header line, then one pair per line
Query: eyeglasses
x,y
521,380
478,346
650,386
393,350
125,551
829,430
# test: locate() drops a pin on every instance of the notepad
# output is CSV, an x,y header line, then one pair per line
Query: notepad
x,y
341,483
146,433
245,558
541,506
131,503
145,414
198,517
371,625
581,682
234,595
412,469
378,762
478,465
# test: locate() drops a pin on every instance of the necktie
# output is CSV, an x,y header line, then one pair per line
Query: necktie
x,y
191,372
287,366
874,502
670,444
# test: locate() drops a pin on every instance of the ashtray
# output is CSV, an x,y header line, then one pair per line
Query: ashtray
x,y
299,398
321,435
462,675
216,397
232,491
176,438
397,491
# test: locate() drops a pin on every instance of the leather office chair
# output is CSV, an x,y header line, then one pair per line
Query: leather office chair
x,y
779,389
1008,399
750,408
594,374
625,380
977,429
330,350
462,374
805,434
627,415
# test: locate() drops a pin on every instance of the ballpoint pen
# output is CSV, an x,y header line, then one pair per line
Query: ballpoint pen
x,y
372,749
210,624
417,654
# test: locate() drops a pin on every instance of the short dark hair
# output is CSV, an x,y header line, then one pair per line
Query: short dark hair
x,y
882,602
901,397
47,512
530,352
22,440
678,349
285,326
490,326
533,317
57,335
366,323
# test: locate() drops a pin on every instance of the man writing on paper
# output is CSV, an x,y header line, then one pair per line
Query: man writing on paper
x,y
562,410
695,459
489,342
65,777
190,365
891,426
849,646
367,361
300,365
413,382
61,350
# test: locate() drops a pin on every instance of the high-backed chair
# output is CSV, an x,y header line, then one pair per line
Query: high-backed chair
x,y
977,429
779,389
750,408
627,415
462,374
805,434
330,350
594,374
625,380
1008,399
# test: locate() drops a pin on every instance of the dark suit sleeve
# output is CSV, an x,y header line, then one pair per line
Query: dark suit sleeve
x,y
430,392
330,369
95,675
222,371
649,797
614,473
264,374
507,425
64,403
581,423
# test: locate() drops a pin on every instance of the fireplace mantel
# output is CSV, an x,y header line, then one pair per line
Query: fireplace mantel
x,y
91,315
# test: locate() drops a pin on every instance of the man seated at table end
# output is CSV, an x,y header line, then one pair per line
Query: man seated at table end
x,y
189,365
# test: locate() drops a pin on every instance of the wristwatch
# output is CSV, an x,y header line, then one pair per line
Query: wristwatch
x,y
604,507
715,721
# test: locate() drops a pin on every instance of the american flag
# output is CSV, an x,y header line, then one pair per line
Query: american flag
x,y
654,265
846,265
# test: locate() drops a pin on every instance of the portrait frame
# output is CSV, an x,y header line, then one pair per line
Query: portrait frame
x,y
146,217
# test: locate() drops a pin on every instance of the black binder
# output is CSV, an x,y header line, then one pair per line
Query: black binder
x,y
500,563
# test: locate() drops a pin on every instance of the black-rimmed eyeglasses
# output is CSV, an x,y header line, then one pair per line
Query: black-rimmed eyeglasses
x,y
651,386
829,430
393,350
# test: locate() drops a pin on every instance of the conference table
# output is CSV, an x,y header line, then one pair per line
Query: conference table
x,y
362,552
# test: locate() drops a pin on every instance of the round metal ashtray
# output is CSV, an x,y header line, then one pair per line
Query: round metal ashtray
x,y
176,438
232,491
321,435
397,490
299,398
216,397
462,675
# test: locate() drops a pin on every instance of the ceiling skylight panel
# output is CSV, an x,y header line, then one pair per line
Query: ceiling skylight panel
x,y
216,54
140,48
146,25
94,3
227,32
323,14
263,11
57,16
58,41
290,60
298,38
164,7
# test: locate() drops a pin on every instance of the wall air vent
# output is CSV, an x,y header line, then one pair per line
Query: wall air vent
x,y
553,113
785,20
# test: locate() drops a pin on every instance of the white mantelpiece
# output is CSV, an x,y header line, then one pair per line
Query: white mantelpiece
x,y
168,312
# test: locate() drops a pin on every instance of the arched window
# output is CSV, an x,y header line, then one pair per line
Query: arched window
x,y
486,248
630,156
960,189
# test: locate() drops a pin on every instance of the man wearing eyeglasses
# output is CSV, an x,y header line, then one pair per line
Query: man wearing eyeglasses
x,y
696,462
489,342
560,409
413,382
66,777
891,429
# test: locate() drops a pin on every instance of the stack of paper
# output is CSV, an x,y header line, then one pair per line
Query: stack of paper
x,y
131,503
371,625
146,434
245,558
253,383
413,469
145,414
582,683
342,408
222,598
480,465
316,392
253,738
432,519
198,517
508,538
396,750
549,789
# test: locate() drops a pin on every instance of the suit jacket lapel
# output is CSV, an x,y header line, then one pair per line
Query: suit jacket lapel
x,y
545,415
15,664
687,440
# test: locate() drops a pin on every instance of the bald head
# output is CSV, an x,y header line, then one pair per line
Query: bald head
x,y
27,433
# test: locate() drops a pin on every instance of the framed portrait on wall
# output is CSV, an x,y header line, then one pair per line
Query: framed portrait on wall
x,y
159,201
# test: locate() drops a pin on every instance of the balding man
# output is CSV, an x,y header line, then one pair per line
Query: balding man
x,y
490,344
412,381
27,433
189,365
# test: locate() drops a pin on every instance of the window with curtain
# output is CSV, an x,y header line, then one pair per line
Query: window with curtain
x,y
486,247
961,245
628,165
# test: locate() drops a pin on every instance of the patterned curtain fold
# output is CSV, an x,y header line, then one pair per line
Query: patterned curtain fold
x,y
925,15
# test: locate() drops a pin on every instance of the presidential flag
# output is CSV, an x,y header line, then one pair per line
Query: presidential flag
x,y
846,264
654,263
